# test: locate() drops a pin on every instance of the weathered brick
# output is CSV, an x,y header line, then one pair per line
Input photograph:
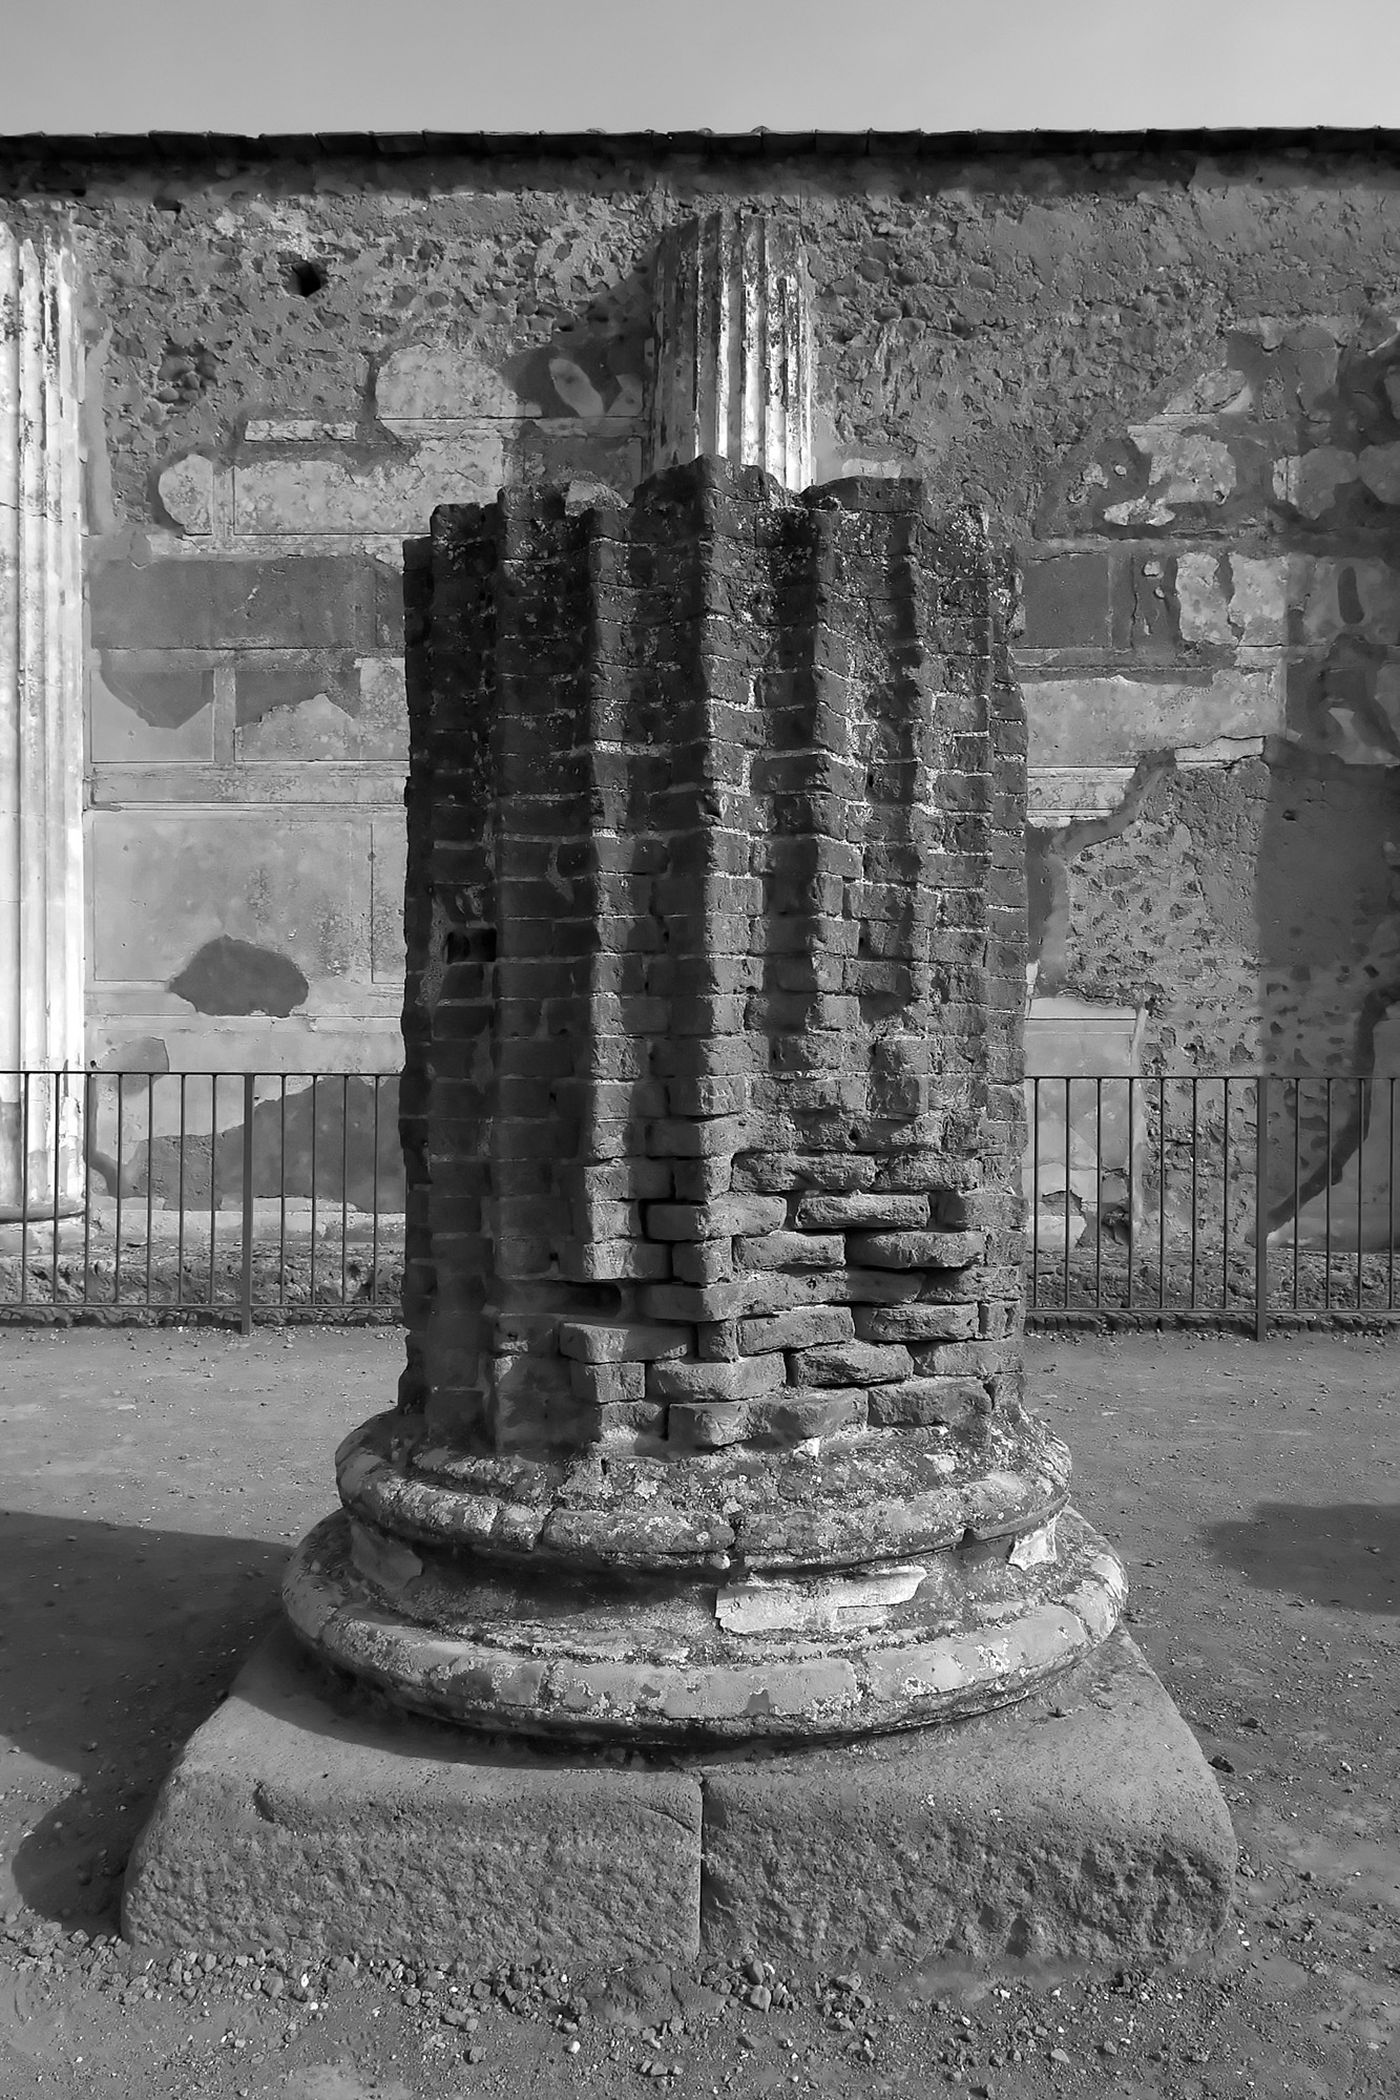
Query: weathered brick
x,y
852,1363
608,1384
706,1425
673,1137
940,1287
795,1415
818,1213
612,1261
625,1427
787,1170
921,1402
915,1323
916,1250
701,1261
960,1359
728,1214
741,1380
689,1302
783,1250
801,1328
621,1341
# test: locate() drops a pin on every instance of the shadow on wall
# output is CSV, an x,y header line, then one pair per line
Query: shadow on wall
x,y
335,1138
1328,907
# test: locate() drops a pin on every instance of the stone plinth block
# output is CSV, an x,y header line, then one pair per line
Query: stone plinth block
x,y
293,1815
1081,1827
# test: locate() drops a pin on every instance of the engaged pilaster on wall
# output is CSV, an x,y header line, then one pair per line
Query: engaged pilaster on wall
x,y
733,343
41,723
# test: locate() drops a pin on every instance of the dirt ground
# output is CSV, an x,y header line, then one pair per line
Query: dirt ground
x,y
156,1480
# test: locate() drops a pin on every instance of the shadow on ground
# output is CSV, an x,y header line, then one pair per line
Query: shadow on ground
x,y
1345,1553
119,1640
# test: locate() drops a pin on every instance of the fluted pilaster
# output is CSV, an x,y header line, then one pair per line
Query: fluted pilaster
x,y
733,347
41,723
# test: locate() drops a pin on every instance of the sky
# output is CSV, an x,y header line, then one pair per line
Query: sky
x,y
666,65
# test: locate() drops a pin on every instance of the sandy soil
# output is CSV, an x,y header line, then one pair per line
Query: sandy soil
x,y
156,1479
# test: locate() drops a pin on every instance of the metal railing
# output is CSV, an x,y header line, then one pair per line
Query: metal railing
x,y
241,1195
1241,1197
246,1196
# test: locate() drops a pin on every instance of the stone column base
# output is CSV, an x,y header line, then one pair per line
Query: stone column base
x,y
1082,1826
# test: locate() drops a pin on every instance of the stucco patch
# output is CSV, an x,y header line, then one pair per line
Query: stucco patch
x,y
389,493
438,386
1097,721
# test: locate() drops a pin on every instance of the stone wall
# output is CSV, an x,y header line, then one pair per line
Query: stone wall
x,y
1171,377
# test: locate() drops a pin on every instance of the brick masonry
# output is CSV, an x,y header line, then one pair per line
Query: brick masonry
x,y
716,936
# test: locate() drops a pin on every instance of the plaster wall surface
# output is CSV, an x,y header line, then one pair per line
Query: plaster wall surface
x,y
1170,373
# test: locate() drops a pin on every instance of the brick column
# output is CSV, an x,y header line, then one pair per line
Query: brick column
x,y
732,343
712,1423
41,724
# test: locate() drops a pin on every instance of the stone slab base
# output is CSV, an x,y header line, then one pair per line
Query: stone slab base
x,y
1082,1826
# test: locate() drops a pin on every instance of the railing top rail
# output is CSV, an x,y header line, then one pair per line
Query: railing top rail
x,y
1180,1076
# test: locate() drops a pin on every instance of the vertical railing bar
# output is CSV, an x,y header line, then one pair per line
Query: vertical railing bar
x,y
1360,1173
150,1176
213,1179
311,1278
374,1195
23,1187
87,1192
1261,1207
55,1081
1069,1153
1297,1176
1225,1193
1132,1188
1161,1190
282,1200
344,1184
1035,1193
1195,1180
180,1203
1098,1193
1390,1201
121,1175
250,1084
1327,1203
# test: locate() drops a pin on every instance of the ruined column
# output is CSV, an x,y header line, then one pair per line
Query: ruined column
x,y
732,347
712,1424
41,725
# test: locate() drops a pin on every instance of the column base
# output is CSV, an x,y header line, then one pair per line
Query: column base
x,y
1080,1827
